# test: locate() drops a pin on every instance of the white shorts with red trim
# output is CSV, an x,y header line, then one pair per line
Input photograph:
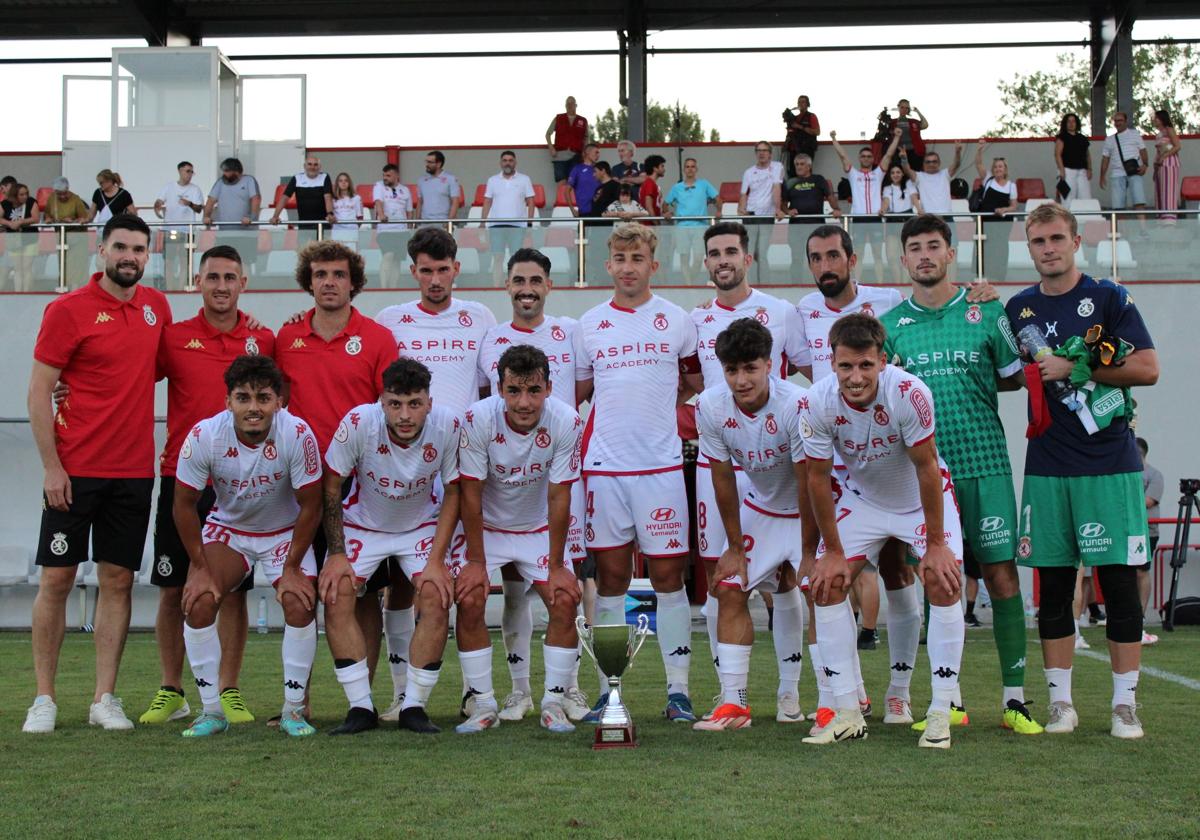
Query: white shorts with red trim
x,y
710,532
367,549
529,551
864,528
650,510
270,551
576,544
771,539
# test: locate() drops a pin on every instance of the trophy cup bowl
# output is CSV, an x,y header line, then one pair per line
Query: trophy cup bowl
x,y
612,647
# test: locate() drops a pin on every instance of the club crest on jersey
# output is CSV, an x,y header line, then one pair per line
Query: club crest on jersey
x,y
353,345
881,415
1024,548
429,453
185,451
805,429
342,434
464,318
1085,308
543,437
660,321
974,316
58,545
771,426
164,566
463,440
761,316
251,346
557,333
149,315
269,451
867,309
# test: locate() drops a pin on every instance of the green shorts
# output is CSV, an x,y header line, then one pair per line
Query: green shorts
x,y
988,507
1097,519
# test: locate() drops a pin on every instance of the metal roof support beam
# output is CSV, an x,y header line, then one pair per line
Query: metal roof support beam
x,y
1125,67
151,18
635,58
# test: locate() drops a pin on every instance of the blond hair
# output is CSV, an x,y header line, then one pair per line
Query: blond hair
x,y
1045,214
629,235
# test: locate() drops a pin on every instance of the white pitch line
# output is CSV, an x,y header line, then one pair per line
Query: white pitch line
x,y
1149,670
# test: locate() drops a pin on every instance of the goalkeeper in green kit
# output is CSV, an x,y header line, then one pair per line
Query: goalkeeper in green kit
x,y
964,351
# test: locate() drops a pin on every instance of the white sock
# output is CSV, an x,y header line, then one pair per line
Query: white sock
x,y
788,634
356,682
516,625
1058,681
673,619
299,651
824,691
860,689
1077,633
575,665
735,670
904,637
1013,692
559,663
610,609
204,655
837,639
398,628
1125,689
947,631
420,685
477,675
710,623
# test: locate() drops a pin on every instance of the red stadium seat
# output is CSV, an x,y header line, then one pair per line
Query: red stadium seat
x,y
1191,189
480,191
43,196
412,191
291,202
1028,188
561,198
729,191
539,196
367,193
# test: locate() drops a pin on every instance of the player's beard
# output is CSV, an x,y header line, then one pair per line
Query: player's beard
x,y
930,280
736,278
831,285
113,273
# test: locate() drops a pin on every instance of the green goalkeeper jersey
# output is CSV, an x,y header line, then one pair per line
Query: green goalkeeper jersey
x,y
958,351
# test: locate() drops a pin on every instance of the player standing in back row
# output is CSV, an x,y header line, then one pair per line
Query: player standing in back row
x,y
632,351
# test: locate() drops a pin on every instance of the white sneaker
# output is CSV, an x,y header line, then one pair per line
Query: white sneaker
x,y
937,731
1148,639
1125,723
787,708
846,725
483,718
41,715
109,713
392,713
1063,719
554,718
516,706
575,703
1081,643
899,710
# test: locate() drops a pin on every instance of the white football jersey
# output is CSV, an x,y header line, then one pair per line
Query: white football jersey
x,y
446,342
764,444
634,357
554,337
817,317
777,315
255,485
394,486
874,441
515,466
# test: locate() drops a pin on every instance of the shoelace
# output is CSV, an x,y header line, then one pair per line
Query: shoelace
x,y
160,701
235,701
513,700
895,706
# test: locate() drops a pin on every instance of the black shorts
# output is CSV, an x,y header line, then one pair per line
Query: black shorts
x,y
320,545
114,512
1149,564
171,561
587,567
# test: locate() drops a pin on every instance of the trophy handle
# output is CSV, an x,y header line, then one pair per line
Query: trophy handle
x,y
585,635
639,635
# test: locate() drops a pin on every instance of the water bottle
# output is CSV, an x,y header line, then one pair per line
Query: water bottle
x,y
262,615
1035,346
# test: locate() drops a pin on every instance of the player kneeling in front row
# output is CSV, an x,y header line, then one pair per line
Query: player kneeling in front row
x,y
519,458
265,469
752,420
881,421
396,449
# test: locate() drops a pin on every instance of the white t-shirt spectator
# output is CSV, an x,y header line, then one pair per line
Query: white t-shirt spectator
x,y
899,200
173,211
1010,188
757,184
396,203
865,187
1131,147
347,210
935,191
508,197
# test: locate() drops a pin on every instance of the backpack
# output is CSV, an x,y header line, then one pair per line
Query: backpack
x,y
1187,610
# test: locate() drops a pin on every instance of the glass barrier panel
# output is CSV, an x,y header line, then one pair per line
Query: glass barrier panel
x,y
1006,256
82,259
28,261
484,252
595,252
1151,246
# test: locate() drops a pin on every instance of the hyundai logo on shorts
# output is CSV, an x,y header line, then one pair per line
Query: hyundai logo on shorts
x,y
1091,530
663,515
991,523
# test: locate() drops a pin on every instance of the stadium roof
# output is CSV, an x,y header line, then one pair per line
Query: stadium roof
x,y
197,19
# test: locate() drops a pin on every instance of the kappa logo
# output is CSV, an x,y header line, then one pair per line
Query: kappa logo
x,y
576,550
164,567
660,321
383,449
293,685
500,339
231,452
663,514
841,421
881,415
470,415
354,418
682,650
814,315
58,545
795,657
1091,530
429,454
829,672
464,318
1085,308
1018,665
905,321
202,683
905,384
103,318
802,404
770,424
1026,313
298,344
945,673
543,438
604,325
731,423
407,319
353,345
761,316
395,659
708,319
499,438
251,346
269,451
557,333
194,344
674,544
901,667
300,430
990,524
514,658
149,315
974,315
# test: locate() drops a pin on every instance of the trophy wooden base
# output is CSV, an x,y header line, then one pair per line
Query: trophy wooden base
x,y
618,735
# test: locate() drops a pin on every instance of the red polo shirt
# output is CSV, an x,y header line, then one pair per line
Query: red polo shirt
x,y
328,378
106,350
193,356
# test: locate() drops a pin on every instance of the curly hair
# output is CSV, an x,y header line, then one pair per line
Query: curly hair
x,y
325,251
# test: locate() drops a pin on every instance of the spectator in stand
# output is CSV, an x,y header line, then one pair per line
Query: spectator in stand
x,y
508,196
804,197
650,197
233,204
438,194
393,207
180,202
999,200
761,196
866,188
582,183
910,132
21,213
5,183
932,182
628,171
1126,153
110,199
608,193
803,127
570,132
313,189
1166,165
691,197
1153,486
347,208
626,207
66,208
1073,160
899,199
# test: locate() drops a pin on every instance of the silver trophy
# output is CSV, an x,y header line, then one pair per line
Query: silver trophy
x,y
612,647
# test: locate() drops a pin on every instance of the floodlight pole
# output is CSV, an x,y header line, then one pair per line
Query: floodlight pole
x,y
634,48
